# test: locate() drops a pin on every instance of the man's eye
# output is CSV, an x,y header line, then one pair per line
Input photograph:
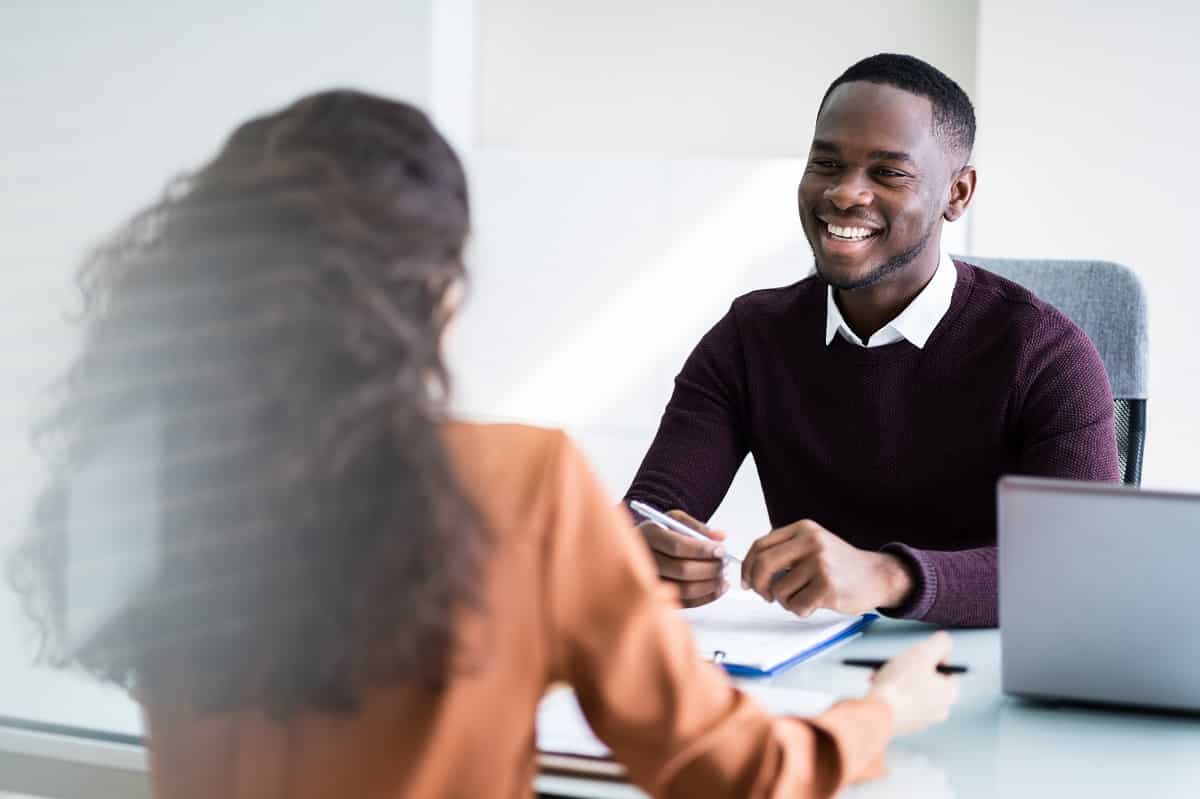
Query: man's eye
x,y
824,163
890,173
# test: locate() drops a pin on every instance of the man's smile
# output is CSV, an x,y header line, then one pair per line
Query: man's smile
x,y
845,236
850,233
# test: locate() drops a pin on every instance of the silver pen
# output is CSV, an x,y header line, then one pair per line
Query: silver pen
x,y
663,520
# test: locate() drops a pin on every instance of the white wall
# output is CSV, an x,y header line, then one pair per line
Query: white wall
x,y
102,102
687,78
1089,124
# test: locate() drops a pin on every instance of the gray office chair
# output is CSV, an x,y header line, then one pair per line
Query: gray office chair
x,y
1108,302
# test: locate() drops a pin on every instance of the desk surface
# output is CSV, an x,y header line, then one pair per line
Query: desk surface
x,y
992,746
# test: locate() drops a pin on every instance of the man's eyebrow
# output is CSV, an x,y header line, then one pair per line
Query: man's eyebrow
x,y
824,146
889,155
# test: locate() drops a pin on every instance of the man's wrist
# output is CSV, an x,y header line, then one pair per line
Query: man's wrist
x,y
896,584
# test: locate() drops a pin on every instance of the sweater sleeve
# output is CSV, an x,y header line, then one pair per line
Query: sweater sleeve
x,y
1064,428
677,723
701,440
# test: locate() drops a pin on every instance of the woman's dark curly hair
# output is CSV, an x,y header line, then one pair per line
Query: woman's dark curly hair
x,y
251,504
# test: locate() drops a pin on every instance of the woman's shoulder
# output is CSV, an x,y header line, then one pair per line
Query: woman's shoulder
x,y
511,442
510,470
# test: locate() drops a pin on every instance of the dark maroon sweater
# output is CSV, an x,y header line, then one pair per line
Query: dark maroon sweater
x,y
892,448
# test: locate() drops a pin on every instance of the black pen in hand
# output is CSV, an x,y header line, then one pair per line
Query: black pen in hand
x,y
877,663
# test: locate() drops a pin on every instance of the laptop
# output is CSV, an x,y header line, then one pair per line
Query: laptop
x,y
1099,585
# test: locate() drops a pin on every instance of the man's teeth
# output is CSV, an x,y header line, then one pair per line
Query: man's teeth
x,y
852,233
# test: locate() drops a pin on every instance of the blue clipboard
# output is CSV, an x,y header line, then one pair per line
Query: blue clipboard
x,y
741,670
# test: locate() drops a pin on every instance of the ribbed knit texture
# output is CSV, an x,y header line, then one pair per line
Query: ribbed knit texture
x,y
892,448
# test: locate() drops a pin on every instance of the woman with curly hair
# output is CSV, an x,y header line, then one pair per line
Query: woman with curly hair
x,y
262,524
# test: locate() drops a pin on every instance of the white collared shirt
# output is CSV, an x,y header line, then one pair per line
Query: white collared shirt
x,y
915,323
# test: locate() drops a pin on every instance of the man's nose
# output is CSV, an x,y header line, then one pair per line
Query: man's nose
x,y
849,191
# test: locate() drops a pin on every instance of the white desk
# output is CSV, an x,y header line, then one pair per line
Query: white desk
x,y
992,746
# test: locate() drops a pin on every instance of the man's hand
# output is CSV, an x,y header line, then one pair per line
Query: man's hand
x,y
805,567
693,566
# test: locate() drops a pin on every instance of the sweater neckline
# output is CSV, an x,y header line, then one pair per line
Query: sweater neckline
x,y
904,350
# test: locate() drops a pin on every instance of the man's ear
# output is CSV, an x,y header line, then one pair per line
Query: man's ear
x,y
962,189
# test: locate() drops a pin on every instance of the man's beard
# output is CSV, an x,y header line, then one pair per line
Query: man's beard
x,y
888,267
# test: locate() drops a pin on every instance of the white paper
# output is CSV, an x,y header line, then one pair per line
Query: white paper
x,y
562,728
752,632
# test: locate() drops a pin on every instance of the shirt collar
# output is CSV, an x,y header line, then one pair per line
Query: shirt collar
x,y
915,323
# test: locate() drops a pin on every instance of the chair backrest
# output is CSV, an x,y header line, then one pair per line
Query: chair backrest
x,y
1108,302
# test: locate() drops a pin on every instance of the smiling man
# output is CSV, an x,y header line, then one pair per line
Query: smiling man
x,y
882,397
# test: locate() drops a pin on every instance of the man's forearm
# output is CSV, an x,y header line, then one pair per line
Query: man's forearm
x,y
953,589
688,467
896,583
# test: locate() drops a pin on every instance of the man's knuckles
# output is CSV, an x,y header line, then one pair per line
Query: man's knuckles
x,y
698,590
688,570
825,567
673,544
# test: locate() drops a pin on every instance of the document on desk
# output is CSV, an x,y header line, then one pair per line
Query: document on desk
x,y
565,742
754,638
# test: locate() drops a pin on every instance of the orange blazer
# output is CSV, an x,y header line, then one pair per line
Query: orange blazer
x,y
573,597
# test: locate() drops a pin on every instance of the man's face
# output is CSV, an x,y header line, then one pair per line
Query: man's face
x,y
875,186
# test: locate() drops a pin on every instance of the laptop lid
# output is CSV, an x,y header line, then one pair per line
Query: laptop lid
x,y
1097,586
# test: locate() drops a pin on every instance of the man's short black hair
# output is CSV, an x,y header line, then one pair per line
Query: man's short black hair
x,y
953,114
